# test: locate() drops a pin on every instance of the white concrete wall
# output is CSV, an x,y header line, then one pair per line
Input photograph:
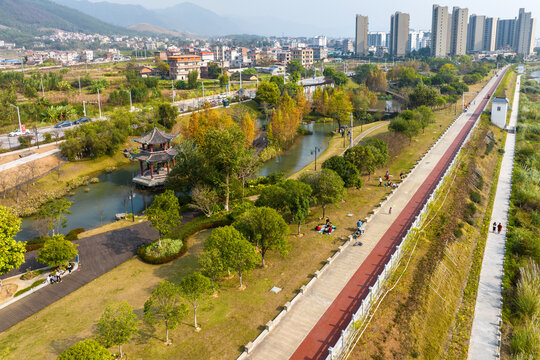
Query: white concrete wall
x,y
498,117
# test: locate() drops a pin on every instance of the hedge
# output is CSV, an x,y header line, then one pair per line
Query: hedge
x,y
34,284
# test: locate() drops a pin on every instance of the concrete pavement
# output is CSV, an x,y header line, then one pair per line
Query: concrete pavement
x,y
27,159
484,340
292,330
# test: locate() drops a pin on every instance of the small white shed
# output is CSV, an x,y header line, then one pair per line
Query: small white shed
x,y
499,109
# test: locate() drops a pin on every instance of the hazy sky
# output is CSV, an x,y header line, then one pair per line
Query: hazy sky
x,y
338,15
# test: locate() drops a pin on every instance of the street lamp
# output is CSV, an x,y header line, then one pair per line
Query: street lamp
x,y
314,152
37,135
18,115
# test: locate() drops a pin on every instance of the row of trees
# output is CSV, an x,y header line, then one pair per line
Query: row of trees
x,y
98,138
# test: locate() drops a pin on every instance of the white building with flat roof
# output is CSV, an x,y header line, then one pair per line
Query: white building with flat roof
x,y
499,110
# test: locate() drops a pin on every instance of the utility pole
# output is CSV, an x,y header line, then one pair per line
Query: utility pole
x,y
84,107
130,102
172,89
99,104
42,89
37,136
80,90
240,78
202,83
352,131
18,116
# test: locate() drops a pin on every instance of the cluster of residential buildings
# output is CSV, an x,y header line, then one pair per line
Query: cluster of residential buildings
x,y
456,33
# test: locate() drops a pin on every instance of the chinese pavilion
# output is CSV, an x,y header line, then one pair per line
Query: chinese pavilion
x,y
155,156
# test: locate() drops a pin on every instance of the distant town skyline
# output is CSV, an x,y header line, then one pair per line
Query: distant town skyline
x,y
338,20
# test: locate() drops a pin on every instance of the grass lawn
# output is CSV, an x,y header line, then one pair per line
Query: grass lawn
x,y
229,321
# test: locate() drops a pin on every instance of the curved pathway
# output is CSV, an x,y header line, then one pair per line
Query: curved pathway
x,y
484,341
317,319
98,254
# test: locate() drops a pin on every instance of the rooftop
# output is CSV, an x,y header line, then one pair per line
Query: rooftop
x,y
155,137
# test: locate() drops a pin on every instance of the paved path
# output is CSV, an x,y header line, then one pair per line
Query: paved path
x,y
485,328
316,320
27,159
98,255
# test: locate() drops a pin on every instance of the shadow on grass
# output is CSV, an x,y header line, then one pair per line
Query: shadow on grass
x,y
60,345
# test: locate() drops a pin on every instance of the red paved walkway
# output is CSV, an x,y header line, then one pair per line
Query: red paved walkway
x,y
328,329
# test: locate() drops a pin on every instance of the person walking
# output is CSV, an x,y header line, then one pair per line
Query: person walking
x,y
390,210
380,181
494,226
499,227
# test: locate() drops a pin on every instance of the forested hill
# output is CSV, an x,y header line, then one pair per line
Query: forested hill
x,y
32,17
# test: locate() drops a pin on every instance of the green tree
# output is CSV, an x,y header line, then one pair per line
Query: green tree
x,y
194,288
214,71
327,186
167,114
212,265
295,66
272,196
409,128
340,107
193,79
57,251
223,149
297,195
347,171
362,72
237,253
117,325
11,251
265,228
364,158
425,116
268,94
223,80
88,349
423,95
164,213
54,213
163,69
164,306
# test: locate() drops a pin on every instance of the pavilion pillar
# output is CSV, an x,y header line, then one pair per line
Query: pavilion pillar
x,y
151,171
167,167
173,162
142,170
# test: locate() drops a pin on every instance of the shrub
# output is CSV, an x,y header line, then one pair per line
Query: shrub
x,y
36,243
74,234
476,197
525,340
182,234
168,248
34,284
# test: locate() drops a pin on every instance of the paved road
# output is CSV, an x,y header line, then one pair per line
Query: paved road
x,y
484,344
27,159
98,255
316,320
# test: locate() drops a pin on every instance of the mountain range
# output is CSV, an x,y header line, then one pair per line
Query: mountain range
x,y
31,17
190,18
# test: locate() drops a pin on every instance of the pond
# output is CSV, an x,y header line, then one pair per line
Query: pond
x,y
97,204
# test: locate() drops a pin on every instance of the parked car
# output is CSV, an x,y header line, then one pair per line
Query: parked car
x,y
82,120
17,132
63,124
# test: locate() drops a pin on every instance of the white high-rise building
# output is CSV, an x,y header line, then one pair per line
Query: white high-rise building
x,y
440,31
361,39
458,31
418,39
524,33
490,33
475,36
399,34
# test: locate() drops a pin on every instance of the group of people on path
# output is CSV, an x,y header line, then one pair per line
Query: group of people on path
x,y
496,227
388,182
57,277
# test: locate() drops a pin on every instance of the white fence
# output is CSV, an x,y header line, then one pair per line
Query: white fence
x,y
348,336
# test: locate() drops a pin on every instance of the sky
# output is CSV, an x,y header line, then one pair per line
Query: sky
x,y
337,16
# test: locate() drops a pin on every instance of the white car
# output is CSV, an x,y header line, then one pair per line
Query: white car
x,y
17,132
